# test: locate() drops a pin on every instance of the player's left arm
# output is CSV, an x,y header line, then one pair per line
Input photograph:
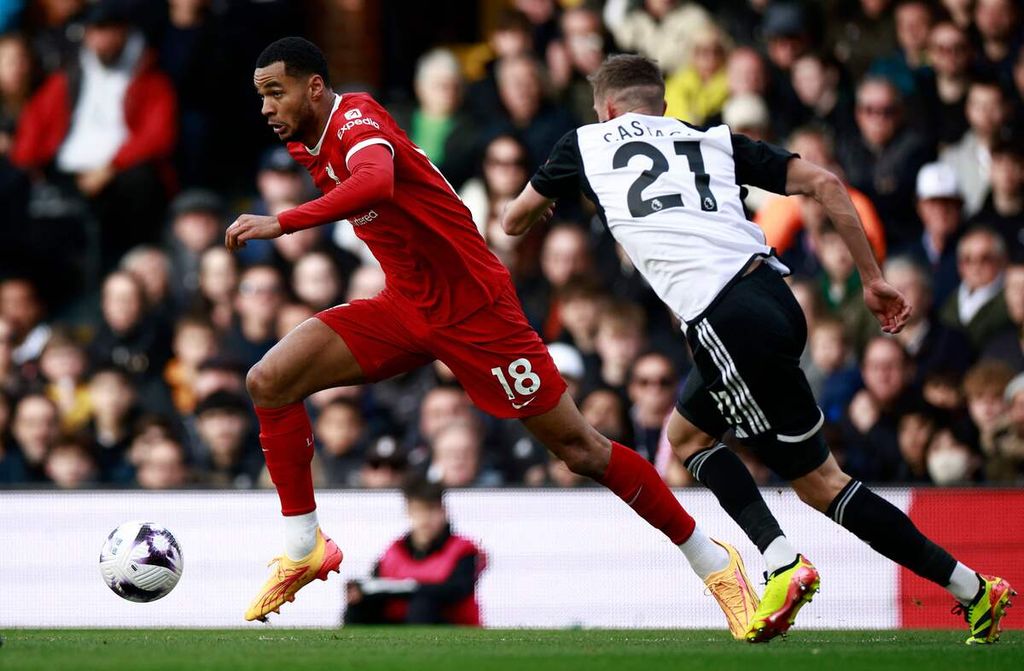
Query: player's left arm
x,y
372,180
557,178
807,179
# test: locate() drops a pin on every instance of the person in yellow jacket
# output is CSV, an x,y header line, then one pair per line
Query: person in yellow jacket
x,y
697,91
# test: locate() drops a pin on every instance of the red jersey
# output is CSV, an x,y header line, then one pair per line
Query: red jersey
x,y
424,237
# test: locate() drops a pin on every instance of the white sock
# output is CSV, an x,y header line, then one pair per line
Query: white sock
x,y
704,555
963,584
779,553
300,535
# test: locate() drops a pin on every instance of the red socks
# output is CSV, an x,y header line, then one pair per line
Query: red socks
x,y
287,440
635,481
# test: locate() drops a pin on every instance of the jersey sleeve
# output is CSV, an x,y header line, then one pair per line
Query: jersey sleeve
x,y
560,175
760,164
363,125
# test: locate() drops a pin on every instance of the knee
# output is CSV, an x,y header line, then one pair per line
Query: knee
x,y
263,388
821,490
687,440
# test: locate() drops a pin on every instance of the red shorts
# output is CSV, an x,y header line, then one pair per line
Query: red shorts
x,y
499,360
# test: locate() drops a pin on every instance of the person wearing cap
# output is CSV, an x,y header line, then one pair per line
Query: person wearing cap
x,y
428,576
1004,445
978,304
106,126
196,222
939,208
883,158
384,465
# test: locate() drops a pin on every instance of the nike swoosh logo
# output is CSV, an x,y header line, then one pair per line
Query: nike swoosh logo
x,y
519,406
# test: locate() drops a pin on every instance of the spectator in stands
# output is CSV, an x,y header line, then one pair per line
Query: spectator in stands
x,y
63,366
22,309
866,31
1003,446
978,305
227,446
12,464
652,393
580,303
566,254
832,370
219,373
70,465
786,31
882,160
218,286
998,32
659,29
792,224
316,281
386,465
132,338
58,37
437,123
697,92
619,340
162,465
427,576
1008,346
939,207
605,410
815,81
456,457
35,426
904,66
152,267
840,286
113,399
984,388
512,36
196,225
260,295
341,436
933,346
503,177
916,430
10,379
16,81
442,405
526,110
950,460
1003,208
575,57
195,341
943,88
971,157
870,429
746,72
108,125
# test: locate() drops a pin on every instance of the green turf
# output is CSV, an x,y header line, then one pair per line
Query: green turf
x,y
427,649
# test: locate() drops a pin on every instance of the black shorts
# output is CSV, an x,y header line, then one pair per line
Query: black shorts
x,y
747,377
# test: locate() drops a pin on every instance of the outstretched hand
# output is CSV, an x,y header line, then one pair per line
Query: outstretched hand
x,y
889,306
251,227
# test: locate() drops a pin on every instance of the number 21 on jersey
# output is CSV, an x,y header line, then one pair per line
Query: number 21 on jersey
x,y
642,207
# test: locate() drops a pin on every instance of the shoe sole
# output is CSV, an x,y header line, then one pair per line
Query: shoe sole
x,y
804,584
1003,593
331,564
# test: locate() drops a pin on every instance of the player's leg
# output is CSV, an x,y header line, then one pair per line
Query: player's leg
x,y
342,346
891,533
719,469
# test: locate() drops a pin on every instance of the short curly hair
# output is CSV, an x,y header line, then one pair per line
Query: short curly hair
x,y
300,57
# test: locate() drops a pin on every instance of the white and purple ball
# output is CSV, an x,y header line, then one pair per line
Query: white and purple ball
x,y
141,561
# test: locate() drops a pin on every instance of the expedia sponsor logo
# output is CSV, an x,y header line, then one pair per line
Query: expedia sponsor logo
x,y
365,219
360,121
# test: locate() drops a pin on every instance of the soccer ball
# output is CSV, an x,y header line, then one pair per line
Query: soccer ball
x,y
141,561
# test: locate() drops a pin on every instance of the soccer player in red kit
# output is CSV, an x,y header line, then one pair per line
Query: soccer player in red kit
x,y
447,297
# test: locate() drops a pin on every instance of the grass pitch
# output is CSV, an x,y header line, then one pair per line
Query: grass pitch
x,y
430,649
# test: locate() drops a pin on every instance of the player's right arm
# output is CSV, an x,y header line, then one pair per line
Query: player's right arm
x,y
807,179
558,177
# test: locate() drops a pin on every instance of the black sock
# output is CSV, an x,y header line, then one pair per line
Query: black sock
x,y
890,533
721,471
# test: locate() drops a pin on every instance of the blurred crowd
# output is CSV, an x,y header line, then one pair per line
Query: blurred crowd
x,y
130,138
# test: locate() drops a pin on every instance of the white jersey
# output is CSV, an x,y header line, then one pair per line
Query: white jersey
x,y
670,194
